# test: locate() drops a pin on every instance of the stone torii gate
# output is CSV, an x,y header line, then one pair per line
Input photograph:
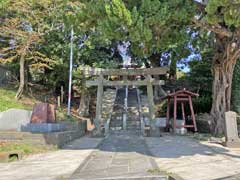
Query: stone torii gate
x,y
102,80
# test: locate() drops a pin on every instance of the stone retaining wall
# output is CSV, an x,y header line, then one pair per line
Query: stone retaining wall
x,y
13,119
53,138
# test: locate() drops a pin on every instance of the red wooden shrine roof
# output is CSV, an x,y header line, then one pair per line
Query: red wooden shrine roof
x,y
182,93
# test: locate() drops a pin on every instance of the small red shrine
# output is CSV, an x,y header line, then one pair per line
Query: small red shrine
x,y
182,97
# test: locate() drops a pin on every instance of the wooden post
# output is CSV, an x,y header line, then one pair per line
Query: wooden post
x,y
62,94
192,113
183,113
59,101
168,113
150,98
99,98
175,113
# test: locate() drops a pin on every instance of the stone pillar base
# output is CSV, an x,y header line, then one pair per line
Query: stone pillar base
x,y
232,144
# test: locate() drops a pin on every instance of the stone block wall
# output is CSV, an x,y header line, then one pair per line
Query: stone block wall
x,y
52,139
13,119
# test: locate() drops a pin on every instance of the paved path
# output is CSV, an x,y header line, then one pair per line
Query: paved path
x,y
193,160
129,156
121,155
51,165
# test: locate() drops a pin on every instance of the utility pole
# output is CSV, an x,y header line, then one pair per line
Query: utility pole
x,y
70,76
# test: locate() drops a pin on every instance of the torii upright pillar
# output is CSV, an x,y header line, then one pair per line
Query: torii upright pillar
x,y
99,105
150,98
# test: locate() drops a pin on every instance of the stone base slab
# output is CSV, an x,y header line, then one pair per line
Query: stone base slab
x,y
53,139
43,127
53,127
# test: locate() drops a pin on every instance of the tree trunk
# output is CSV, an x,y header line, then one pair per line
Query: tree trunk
x,y
27,77
22,67
173,69
22,77
223,67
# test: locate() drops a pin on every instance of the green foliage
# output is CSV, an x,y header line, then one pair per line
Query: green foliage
x,y
25,24
200,80
236,88
200,76
151,26
224,11
202,104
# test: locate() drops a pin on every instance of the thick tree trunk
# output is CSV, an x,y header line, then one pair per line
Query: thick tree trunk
x,y
22,78
223,67
173,70
222,87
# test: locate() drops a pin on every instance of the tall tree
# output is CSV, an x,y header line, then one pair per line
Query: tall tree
x,y
27,26
223,19
150,26
22,29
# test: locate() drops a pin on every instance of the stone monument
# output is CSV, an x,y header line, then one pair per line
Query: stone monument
x,y
231,131
43,113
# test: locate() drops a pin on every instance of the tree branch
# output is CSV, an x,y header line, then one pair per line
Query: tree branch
x,y
214,28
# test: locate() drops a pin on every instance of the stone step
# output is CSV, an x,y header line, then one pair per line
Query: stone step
x,y
133,122
108,103
116,128
133,127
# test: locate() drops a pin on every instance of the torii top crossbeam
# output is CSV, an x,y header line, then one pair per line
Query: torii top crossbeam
x,y
124,72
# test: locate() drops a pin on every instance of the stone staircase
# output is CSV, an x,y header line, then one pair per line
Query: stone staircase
x,y
116,122
133,121
107,104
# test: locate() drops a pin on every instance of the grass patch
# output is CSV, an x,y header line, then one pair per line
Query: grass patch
x,y
27,149
8,101
61,116
201,137
205,136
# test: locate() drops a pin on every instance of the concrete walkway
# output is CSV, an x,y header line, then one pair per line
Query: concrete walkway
x,y
52,165
125,155
122,155
193,160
